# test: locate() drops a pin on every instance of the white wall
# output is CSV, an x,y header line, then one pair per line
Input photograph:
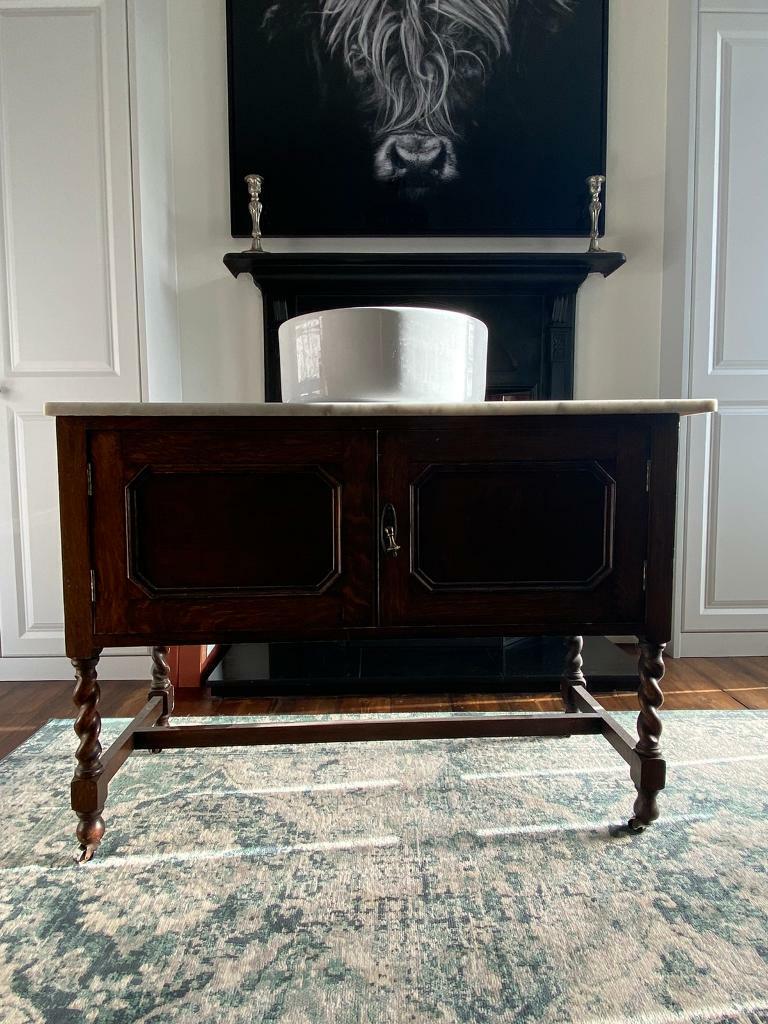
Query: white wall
x,y
618,319
713,326
154,209
219,318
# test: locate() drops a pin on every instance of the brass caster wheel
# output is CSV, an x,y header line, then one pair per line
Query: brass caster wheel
x,y
632,828
85,855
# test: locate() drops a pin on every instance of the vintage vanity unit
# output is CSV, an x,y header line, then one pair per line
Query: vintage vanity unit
x,y
192,524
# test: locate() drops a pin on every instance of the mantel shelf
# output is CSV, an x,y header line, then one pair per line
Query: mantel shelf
x,y
498,266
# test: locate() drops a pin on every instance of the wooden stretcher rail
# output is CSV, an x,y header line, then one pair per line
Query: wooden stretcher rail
x,y
622,741
118,752
548,724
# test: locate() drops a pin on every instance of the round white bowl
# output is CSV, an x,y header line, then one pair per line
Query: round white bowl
x,y
383,354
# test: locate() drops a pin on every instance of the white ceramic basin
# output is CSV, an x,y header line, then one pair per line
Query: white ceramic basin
x,y
383,354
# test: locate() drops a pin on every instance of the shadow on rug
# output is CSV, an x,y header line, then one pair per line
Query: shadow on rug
x,y
438,880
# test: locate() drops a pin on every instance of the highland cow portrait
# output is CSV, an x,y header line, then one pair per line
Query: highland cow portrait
x,y
378,117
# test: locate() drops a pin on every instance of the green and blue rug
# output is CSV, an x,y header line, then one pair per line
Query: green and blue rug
x,y
392,883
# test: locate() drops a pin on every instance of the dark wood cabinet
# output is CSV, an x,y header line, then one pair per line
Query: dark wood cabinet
x,y
272,529
211,529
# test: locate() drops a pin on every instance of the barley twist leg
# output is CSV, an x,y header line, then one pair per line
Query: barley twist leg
x,y
161,686
87,801
572,674
648,770
161,682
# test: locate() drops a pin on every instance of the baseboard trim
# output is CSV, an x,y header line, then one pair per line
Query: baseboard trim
x,y
723,645
111,666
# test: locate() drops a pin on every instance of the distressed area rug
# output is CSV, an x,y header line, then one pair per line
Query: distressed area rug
x,y
440,880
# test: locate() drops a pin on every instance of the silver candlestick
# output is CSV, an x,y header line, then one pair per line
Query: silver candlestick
x,y
595,184
255,183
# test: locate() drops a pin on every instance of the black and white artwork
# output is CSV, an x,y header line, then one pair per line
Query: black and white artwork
x,y
417,117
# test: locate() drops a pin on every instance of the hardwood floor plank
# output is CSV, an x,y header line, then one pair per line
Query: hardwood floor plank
x,y
743,680
429,702
755,698
689,684
754,669
675,700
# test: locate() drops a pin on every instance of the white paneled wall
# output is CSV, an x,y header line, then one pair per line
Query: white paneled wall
x,y
726,568
723,540
68,312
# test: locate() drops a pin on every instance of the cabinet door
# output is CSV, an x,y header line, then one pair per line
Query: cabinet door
x,y
238,530
516,523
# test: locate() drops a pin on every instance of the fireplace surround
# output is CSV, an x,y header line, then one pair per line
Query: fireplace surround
x,y
528,301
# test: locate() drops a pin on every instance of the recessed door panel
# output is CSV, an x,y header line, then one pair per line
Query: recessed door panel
x,y
279,522
516,523
237,530
513,525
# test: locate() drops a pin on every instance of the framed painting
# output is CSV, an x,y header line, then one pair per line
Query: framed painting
x,y
417,117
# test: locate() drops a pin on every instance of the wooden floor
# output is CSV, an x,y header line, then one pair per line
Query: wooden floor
x,y
689,684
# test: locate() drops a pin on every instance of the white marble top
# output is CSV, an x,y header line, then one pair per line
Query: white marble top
x,y
681,406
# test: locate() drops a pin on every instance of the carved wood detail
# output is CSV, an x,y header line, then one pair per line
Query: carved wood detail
x,y
90,826
651,671
161,682
572,674
650,774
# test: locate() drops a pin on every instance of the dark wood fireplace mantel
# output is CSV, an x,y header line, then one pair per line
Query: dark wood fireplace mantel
x,y
270,266
528,301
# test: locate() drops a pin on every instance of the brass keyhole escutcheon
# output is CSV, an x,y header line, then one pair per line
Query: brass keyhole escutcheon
x,y
389,531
